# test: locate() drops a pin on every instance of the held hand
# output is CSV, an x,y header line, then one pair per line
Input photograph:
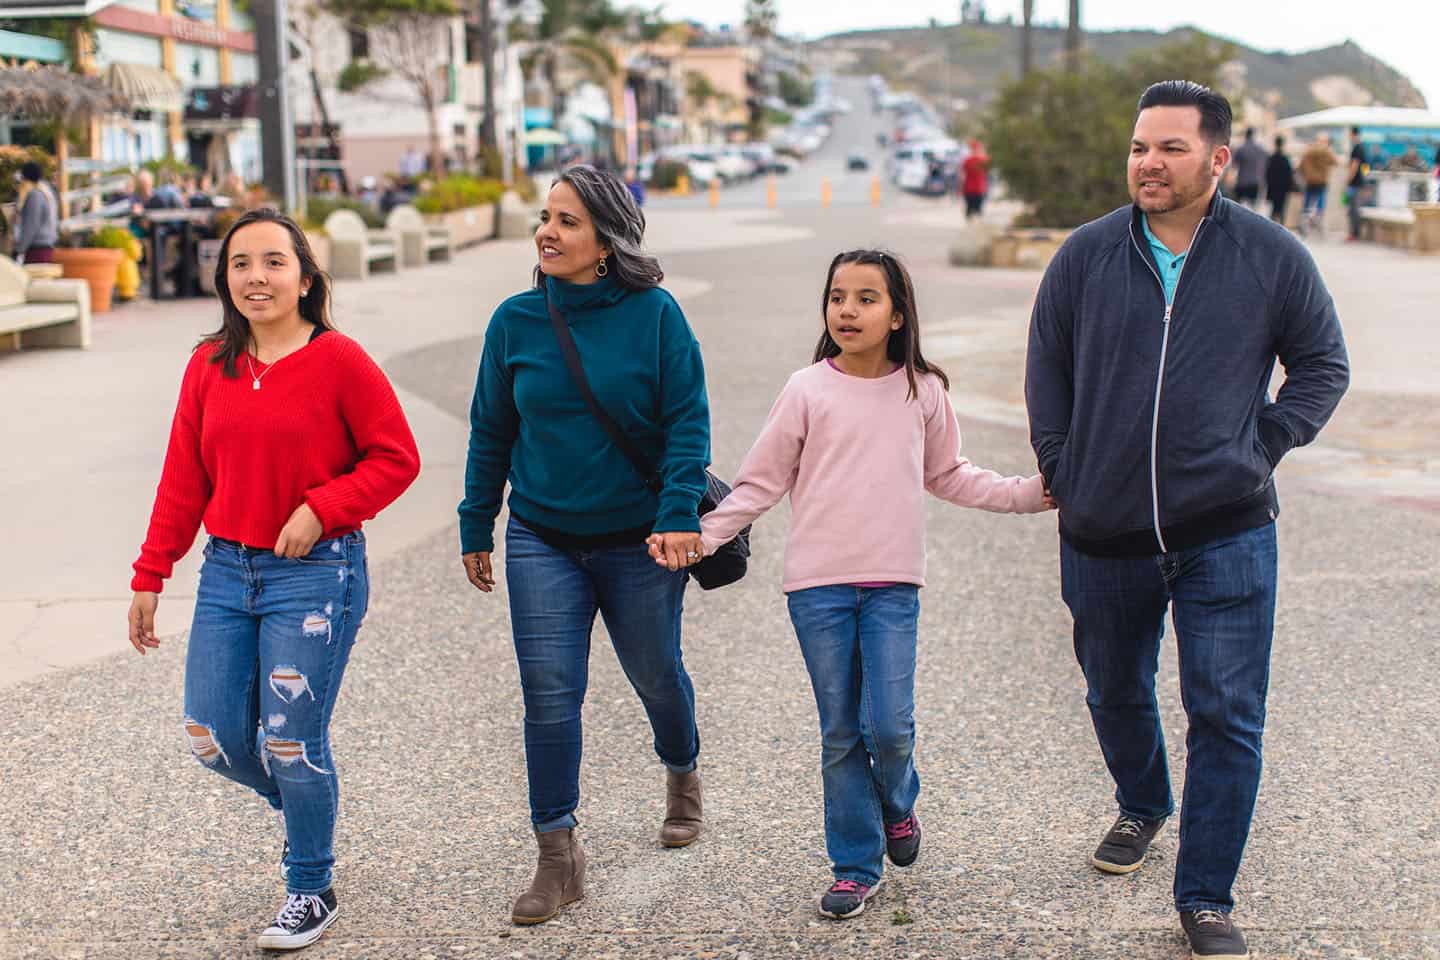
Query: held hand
x,y
477,570
1049,501
298,536
142,621
675,550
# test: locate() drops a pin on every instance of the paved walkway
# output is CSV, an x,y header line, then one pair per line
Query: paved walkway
x,y
119,845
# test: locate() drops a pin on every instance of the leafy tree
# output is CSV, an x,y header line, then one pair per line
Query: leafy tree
x,y
410,39
1059,137
795,90
570,32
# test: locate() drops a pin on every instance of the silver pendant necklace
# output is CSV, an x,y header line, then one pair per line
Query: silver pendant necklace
x,y
255,380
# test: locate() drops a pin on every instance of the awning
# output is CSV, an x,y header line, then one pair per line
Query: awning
x,y
148,88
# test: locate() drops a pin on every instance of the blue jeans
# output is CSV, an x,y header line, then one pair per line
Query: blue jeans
x,y
268,648
859,646
1315,199
554,596
1223,599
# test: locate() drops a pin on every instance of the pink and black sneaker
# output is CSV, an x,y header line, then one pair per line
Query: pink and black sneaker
x,y
846,899
902,840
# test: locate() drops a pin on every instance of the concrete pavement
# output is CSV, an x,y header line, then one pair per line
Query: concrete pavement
x,y
119,845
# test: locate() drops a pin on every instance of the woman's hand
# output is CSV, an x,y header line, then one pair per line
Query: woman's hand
x,y
142,621
675,550
477,569
300,533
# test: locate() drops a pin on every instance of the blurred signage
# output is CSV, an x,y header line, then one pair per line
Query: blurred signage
x,y
221,103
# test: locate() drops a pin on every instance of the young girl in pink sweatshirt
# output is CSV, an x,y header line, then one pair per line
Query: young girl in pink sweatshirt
x,y
856,439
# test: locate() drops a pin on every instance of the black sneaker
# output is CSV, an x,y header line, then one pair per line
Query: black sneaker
x,y
846,899
902,840
301,921
1213,936
1123,849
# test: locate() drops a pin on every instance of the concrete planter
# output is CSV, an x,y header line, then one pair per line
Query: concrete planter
x,y
469,226
1427,227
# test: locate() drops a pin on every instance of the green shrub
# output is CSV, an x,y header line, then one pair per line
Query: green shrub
x,y
459,192
318,208
526,187
12,159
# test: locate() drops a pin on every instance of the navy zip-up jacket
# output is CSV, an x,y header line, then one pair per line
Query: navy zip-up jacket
x,y
1152,425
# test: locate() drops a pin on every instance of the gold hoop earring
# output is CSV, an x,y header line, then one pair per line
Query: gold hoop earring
x,y
601,269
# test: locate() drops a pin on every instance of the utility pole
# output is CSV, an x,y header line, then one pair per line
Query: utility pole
x,y
277,131
1072,37
1026,40
488,139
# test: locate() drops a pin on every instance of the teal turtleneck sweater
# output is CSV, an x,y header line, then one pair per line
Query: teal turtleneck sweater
x,y
529,423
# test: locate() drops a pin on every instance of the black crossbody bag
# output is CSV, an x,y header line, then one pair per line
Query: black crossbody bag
x,y
727,564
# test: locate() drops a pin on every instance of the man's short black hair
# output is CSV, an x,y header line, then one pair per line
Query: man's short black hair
x,y
1279,143
1355,131
30,170
1249,133
1214,109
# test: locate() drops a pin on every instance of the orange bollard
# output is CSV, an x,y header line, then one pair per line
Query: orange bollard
x,y
682,184
825,192
714,194
770,200
874,191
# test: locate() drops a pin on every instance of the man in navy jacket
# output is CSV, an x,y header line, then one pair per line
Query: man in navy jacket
x,y
1152,342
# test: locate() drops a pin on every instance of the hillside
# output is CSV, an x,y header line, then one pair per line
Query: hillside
x,y
982,56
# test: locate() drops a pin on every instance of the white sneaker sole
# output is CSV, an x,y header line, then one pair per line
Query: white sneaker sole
x,y
285,941
853,913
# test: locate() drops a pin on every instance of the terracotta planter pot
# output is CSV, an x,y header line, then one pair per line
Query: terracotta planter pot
x,y
96,266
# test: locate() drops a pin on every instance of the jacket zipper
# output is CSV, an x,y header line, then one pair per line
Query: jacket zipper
x,y
1160,373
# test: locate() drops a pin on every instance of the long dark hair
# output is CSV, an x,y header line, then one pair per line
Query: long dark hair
x,y
904,344
619,225
234,333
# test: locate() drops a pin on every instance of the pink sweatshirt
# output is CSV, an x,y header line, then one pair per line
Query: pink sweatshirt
x,y
856,457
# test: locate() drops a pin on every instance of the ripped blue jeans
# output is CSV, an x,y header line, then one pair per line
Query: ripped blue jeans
x,y
268,648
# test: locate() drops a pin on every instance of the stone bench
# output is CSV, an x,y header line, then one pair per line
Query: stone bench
x,y
1388,226
42,313
419,242
354,248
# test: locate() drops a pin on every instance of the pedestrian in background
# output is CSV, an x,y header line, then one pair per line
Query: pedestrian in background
x,y
1315,165
1359,167
1161,308
1279,181
580,512
1249,162
287,437
976,181
38,225
869,418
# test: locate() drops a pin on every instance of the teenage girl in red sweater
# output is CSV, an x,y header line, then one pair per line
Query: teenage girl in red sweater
x,y
286,438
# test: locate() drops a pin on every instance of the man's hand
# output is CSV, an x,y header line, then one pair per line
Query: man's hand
x,y
477,570
300,533
675,550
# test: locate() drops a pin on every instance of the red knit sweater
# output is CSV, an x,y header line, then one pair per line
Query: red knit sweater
x,y
325,428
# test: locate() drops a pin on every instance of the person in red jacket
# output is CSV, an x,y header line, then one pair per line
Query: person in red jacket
x,y
287,437
976,180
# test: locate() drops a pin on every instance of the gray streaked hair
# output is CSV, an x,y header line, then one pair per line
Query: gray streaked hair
x,y
619,225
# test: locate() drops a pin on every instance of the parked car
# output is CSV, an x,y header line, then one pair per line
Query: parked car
x,y
857,161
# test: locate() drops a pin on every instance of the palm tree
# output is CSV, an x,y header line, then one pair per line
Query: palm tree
x,y
572,32
1026,39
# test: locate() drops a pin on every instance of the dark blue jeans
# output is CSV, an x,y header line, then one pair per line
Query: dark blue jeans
x,y
554,596
859,646
268,648
1222,597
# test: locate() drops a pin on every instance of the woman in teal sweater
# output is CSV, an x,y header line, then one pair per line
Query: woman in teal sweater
x,y
580,513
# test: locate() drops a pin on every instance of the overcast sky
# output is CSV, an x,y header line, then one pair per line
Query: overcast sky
x,y
1403,33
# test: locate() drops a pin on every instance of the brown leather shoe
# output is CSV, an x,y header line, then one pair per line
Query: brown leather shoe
x,y
559,878
682,809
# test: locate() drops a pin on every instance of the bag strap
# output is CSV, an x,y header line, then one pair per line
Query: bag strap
x,y
577,373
